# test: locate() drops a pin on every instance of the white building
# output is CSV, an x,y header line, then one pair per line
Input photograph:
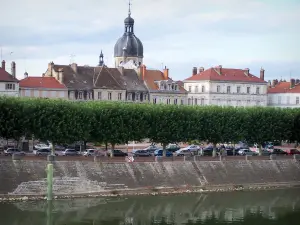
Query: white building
x,y
284,94
226,87
9,84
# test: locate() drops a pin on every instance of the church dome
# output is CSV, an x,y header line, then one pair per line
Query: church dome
x,y
128,45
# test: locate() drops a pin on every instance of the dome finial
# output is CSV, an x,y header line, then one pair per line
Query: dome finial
x,y
129,8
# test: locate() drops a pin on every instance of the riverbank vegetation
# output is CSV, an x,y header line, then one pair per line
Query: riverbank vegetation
x,y
116,123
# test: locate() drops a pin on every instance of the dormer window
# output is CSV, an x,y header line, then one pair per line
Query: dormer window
x,y
169,87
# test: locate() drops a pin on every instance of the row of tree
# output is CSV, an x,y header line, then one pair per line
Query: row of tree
x,y
62,121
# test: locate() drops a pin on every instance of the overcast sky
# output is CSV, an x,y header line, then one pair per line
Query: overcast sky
x,y
177,34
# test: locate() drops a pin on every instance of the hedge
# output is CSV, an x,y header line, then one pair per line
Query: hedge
x,y
63,121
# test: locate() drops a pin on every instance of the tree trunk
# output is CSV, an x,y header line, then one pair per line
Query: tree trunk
x,y
214,154
259,149
112,150
106,146
164,149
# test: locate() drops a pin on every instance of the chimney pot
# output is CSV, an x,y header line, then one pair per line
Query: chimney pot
x,y
292,83
25,75
201,69
262,74
74,67
166,73
219,69
246,70
3,64
60,77
13,69
273,83
194,71
297,81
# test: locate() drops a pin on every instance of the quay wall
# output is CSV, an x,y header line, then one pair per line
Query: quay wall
x,y
28,178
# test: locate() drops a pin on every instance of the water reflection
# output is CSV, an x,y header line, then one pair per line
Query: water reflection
x,y
265,207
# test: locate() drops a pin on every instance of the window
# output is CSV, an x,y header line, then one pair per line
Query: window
x,y
297,100
72,95
27,93
238,89
196,101
175,101
257,90
203,88
36,93
145,97
228,89
176,87
248,90
182,102
169,87
279,99
218,88
109,95
189,101
44,94
168,101
190,88
154,101
119,96
228,102
129,96
10,86
100,95
196,89
80,95
202,101
90,95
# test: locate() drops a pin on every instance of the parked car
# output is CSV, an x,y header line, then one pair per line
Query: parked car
x,y
183,152
277,151
117,153
90,152
70,152
141,153
172,147
247,152
151,149
192,148
42,152
159,152
41,146
11,151
59,148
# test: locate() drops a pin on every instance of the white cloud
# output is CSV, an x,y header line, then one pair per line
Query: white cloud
x,y
227,32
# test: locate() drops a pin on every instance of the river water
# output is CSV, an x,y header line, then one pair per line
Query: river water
x,y
276,207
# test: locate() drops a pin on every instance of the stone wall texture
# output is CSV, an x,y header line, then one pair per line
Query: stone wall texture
x,y
82,177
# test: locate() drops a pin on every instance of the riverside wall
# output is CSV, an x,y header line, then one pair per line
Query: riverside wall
x,y
28,178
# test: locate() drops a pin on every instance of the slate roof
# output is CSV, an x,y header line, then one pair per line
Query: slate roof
x,y
101,77
41,82
235,75
7,77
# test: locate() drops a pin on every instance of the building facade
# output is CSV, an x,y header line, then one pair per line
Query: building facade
x,y
284,94
226,87
9,84
162,89
42,87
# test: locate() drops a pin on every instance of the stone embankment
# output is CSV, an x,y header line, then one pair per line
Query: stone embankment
x,y
25,179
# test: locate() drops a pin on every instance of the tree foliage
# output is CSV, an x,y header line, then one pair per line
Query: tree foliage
x,y
62,121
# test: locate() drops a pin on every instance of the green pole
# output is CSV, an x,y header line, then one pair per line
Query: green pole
x,y
49,213
49,181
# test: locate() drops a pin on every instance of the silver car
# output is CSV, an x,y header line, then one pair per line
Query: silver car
x,y
70,152
247,152
11,151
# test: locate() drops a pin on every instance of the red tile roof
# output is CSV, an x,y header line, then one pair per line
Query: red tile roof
x,y
151,76
226,75
41,82
284,87
5,76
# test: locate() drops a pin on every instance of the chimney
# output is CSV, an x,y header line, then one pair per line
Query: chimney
x,y
166,73
194,71
142,72
292,83
3,64
276,82
201,69
262,74
121,70
60,76
13,69
219,69
273,83
246,71
269,83
297,81
74,67
25,75
50,68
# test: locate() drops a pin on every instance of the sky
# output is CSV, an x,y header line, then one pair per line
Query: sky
x,y
177,34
